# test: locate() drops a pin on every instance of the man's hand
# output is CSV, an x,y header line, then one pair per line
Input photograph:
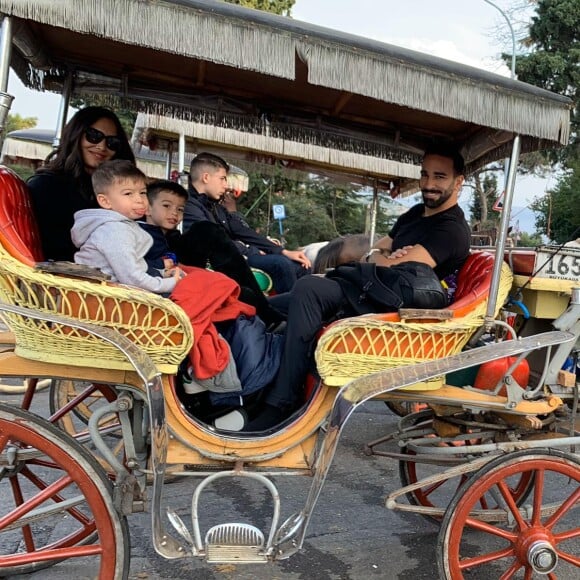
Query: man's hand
x,y
399,253
416,253
297,256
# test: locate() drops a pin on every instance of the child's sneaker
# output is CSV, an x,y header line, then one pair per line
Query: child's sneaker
x,y
233,421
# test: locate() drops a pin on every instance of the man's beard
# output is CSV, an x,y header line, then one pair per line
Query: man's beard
x,y
439,201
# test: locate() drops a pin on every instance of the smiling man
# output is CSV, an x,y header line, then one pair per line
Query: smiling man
x,y
433,232
432,239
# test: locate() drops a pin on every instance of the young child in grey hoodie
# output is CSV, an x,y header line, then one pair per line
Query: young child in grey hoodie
x,y
110,239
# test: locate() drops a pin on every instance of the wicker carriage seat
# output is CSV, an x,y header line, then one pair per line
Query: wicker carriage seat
x,y
361,345
153,323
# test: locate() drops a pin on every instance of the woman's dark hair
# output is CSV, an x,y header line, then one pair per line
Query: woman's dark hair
x,y
68,157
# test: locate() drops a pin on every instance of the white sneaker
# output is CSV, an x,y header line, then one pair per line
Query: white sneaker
x,y
233,421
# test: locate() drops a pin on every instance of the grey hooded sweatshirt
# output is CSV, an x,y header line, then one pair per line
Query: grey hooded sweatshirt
x,y
116,245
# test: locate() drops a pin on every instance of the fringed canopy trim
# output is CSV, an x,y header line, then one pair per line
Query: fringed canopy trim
x,y
169,27
353,161
267,44
25,149
458,97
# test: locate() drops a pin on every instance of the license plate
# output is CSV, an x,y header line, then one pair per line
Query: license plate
x,y
560,265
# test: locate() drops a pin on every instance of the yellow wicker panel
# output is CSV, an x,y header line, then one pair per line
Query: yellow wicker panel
x,y
367,344
153,323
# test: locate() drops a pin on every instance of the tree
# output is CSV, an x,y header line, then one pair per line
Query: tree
x,y
484,195
557,212
15,122
526,240
281,7
553,63
316,209
553,60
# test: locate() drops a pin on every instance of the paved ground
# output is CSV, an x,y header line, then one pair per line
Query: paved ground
x,y
352,535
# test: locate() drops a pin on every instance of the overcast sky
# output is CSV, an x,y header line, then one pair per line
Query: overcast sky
x,y
459,30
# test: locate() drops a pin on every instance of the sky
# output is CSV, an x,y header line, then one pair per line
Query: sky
x,y
464,31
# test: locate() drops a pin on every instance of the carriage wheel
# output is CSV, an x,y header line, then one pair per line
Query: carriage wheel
x,y
80,398
440,494
525,543
55,503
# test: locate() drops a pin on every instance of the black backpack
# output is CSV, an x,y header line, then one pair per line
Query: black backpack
x,y
371,288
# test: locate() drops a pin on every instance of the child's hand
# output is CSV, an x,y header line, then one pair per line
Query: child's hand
x,y
174,272
168,263
177,273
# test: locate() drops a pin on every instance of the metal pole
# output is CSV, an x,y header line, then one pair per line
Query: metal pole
x,y
5,52
181,165
374,212
169,160
510,169
512,33
5,58
513,74
503,227
63,110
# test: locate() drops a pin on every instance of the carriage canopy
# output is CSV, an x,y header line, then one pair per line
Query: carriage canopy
x,y
266,75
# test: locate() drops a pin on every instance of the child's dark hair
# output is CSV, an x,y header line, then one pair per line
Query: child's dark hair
x,y
156,187
110,171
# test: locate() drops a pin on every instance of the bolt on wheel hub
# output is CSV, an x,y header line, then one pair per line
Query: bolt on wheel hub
x,y
542,557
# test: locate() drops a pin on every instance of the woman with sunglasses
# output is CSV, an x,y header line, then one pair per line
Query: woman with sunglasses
x,y
63,185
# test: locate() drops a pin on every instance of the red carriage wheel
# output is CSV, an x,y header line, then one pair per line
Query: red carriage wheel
x,y
440,494
55,502
543,539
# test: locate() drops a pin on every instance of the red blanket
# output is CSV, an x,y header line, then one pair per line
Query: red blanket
x,y
209,297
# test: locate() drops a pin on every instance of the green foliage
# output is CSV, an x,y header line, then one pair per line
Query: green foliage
x,y
557,213
553,62
484,195
16,122
529,240
281,7
316,209
23,171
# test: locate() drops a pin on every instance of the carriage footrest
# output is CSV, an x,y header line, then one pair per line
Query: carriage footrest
x,y
231,543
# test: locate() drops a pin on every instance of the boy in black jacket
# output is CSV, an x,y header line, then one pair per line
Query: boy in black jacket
x,y
207,186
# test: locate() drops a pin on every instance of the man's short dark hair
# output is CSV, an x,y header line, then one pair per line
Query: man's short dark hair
x,y
449,151
204,161
111,171
156,187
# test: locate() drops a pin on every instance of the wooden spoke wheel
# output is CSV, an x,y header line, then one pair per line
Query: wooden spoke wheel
x,y
438,495
55,504
72,403
542,540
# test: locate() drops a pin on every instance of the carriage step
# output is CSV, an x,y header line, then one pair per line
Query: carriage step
x,y
231,543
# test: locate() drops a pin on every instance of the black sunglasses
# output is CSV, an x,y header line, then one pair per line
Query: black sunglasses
x,y
95,136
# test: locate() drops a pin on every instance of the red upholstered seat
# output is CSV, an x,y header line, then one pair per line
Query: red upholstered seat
x,y
473,283
18,230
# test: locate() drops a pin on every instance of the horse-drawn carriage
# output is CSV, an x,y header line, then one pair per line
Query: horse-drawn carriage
x,y
120,347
